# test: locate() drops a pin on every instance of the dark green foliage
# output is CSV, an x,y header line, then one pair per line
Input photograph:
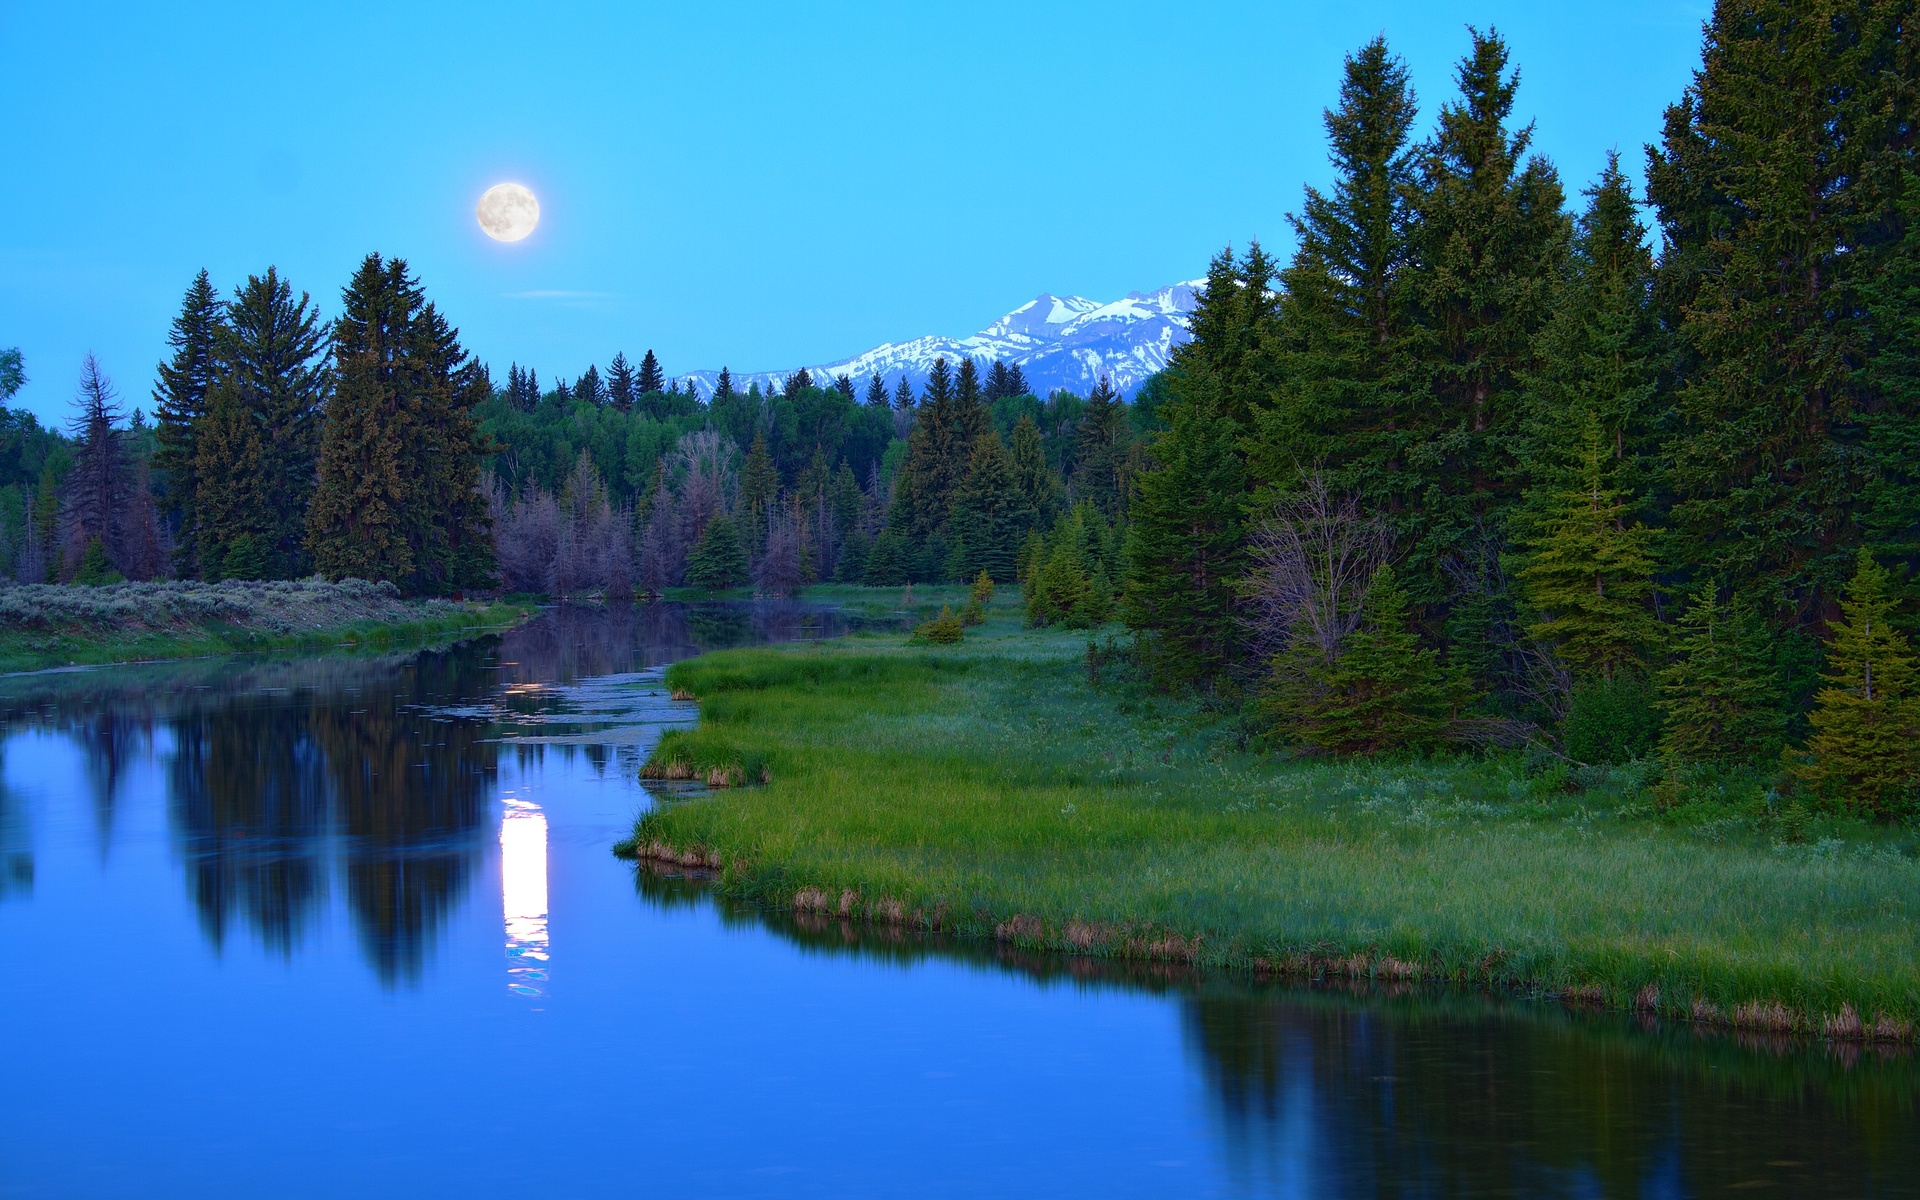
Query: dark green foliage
x,y
990,515
398,492
622,387
1865,748
179,398
650,380
95,569
1777,183
1611,720
1722,695
13,373
1103,445
1069,572
719,560
943,630
759,483
887,562
1185,551
271,377
1892,493
1382,690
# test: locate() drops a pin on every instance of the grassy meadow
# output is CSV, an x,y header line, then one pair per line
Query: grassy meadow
x,y
992,789
53,625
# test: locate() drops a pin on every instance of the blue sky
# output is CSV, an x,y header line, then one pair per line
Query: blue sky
x,y
748,184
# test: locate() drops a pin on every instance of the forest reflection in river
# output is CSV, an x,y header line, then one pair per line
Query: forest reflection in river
x,y
1396,1090
286,777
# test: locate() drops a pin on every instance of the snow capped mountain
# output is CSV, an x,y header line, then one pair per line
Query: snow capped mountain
x,y
1057,342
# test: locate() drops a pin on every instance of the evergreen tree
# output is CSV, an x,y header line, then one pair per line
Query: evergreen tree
x,y
590,388
1865,748
650,379
1039,485
398,495
997,381
1601,357
1721,695
98,490
1892,493
844,385
1185,551
797,382
621,392
1342,404
759,485
1777,183
972,418
876,392
718,559
234,511
179,398
269,359
1490,244
1590,575
1383,691
1102,452
1017,382
903,396
989,514
923,496
13,374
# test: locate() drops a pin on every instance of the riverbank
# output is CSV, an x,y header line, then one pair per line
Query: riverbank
x,y
992,790
50,625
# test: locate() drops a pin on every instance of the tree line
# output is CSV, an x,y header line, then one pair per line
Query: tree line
x,y
1466,468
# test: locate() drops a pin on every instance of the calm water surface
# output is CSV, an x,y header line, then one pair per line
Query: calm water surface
x,y
349,926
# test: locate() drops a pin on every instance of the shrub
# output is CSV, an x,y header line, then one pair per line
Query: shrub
x,y
1611,721
943,630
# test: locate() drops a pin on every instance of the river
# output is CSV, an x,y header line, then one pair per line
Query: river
x,y
348,925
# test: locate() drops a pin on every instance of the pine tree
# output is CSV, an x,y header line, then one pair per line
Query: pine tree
x,y
398,495
98,490
797,382
1865,748
1017,382
1892,493
876,392
1039,485
988,514
590,388
1590,575
903,396
759,485
1601,356
1721,695
621,391
972,420
1491,240
650,379
269,362
234,511
179,398
1341,403
997,381
1384,690
844,385
718,559
1777,183
923,496
1185,551
1101,452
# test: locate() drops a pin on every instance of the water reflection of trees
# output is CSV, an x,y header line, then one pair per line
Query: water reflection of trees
x,y
571,643
1363,1092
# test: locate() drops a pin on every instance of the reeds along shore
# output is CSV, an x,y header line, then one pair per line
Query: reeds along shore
x,y
991,790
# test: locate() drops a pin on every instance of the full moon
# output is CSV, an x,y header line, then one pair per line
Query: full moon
x,y
508,212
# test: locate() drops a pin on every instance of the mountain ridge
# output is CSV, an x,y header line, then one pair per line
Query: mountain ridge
x,y
1057,342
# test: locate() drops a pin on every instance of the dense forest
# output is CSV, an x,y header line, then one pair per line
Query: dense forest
x,y
1475,465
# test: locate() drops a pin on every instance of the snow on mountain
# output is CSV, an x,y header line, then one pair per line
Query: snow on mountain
x,y
1057,341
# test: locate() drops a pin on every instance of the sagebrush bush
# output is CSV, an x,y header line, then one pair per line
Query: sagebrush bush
x,y
277,606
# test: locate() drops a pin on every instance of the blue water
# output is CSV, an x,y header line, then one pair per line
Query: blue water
x,y
350,927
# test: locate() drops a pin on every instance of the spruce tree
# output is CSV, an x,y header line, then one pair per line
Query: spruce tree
x,y
1016,381
234,511
997,381
1341,403
1865,748
903,396
1039,485
972,420
1892,493
1185,552
179,398
1721,695
1777,184
1101,452
97,492
759,485
989,514
269,353
718,560
876,392
621,387
923,496
1589,575
1490,242
650,379
1383,691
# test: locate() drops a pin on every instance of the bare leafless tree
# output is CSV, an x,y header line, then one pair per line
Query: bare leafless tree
x,y
1314,558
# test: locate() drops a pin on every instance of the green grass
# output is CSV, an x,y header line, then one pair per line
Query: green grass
x,y
989,790
39,649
